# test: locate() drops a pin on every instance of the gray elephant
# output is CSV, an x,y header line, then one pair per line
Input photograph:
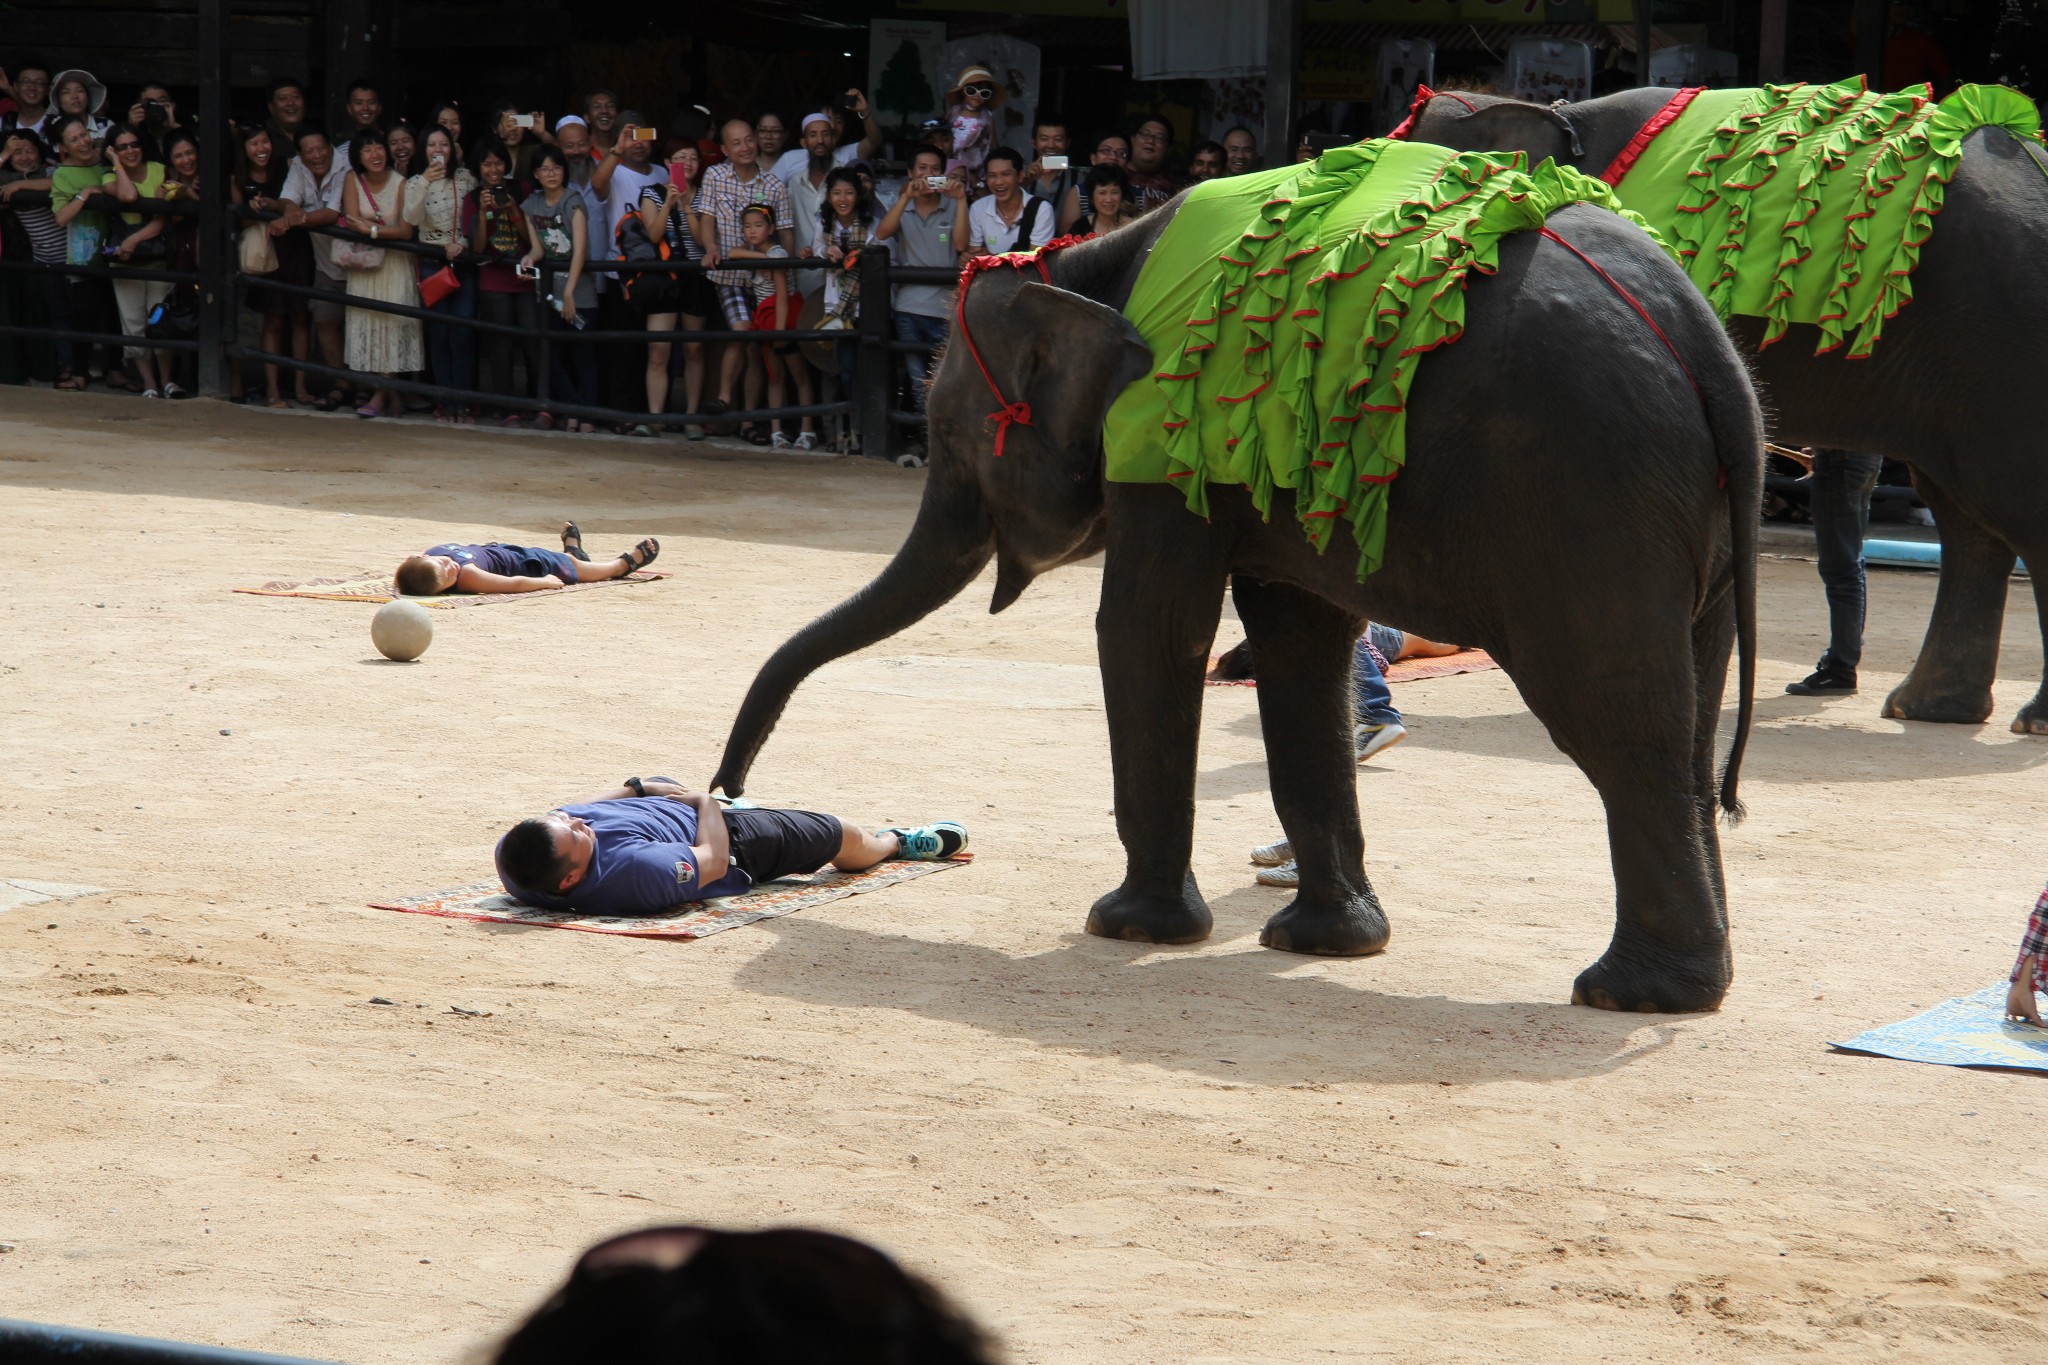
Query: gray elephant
x,y
1572,501
1947,391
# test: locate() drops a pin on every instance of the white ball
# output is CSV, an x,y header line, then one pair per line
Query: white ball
x,y
401,630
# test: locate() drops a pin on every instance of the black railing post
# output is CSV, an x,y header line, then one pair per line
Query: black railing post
x,y
541,358
215,297
872,362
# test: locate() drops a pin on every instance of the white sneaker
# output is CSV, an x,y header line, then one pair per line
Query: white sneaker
x,y
1287,874
1273,854
1377,739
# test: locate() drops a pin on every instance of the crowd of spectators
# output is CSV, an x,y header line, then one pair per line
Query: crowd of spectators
x,y
509,216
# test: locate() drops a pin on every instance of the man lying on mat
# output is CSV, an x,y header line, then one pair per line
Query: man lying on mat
x,y
499,567
651,845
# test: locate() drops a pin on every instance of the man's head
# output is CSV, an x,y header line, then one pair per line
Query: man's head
x,y
316,151
1049,136
1151,140
1003,170
601,107
736,138
424,575
287,102
634,151
1111,147
365,106
1240,151
1207,161
771,134
572,135
819,139
546,853
32,84
926,162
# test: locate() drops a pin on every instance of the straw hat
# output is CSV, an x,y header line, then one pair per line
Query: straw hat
x,y
96,92
978,73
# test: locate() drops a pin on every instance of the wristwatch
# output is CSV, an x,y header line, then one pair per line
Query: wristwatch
x,y
639,788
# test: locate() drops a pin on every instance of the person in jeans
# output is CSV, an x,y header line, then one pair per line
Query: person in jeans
x,y
558,233
1840,505
436,203
497,239
927,226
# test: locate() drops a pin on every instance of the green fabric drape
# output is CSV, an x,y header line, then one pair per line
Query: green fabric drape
x,y
1810,203
1287,312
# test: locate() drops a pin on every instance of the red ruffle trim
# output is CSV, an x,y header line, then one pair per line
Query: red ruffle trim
x,y
1647,134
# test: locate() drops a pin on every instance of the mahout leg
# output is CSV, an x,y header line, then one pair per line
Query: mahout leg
x,y
1162,595
1951,680
1304,644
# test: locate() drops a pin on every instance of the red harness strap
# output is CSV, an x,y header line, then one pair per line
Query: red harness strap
x,y
1006,411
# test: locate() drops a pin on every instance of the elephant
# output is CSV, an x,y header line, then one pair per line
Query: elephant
x,y
1571,503
1942,393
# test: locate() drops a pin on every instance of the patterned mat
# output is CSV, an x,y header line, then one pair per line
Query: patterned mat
x,y
1407,670
375,587
484,901
1970,1030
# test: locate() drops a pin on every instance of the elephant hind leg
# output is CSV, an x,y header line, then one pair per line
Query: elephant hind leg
x,y
1627,706
1951,679
1304,647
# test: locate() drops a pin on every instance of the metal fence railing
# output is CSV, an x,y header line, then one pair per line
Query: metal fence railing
x,y
36,1343
220,285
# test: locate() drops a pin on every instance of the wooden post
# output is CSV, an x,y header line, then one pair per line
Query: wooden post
x,y
1770,46
1646,27
216,297
1283,56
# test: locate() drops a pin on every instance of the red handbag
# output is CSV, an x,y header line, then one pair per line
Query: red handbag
x,y
439,285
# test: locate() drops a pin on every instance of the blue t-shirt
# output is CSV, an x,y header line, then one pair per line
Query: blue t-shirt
x,y
508,560
643,862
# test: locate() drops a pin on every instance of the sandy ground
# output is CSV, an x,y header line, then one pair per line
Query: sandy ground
x,y
1108,1153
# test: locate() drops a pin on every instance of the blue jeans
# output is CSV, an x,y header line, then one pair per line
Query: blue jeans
x,y
1375,700
1840,504
925,331
451,350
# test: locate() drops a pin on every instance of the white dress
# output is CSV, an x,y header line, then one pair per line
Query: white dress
x,y
384,343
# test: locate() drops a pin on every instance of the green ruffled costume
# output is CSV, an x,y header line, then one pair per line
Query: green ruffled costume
x,y
1287,312
1810,203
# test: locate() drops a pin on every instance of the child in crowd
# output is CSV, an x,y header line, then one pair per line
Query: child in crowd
x,y
971,119
776,308
498,567
2030,973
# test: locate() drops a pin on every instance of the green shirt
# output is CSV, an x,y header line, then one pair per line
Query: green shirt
x,y
84,234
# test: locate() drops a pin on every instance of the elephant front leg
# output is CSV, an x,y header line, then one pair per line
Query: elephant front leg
x,y
1304,647
1951,680
1162,594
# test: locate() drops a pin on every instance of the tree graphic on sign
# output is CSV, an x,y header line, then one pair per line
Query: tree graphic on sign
x,y
904,88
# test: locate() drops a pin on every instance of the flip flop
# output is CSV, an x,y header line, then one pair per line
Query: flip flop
x,y
572,543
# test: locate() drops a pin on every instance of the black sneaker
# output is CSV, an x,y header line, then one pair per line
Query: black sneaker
x,y
1823,682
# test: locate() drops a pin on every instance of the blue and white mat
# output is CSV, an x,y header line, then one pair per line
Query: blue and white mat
x,y
1970,1030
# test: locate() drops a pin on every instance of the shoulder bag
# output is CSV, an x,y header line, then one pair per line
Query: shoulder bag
x,y
354,255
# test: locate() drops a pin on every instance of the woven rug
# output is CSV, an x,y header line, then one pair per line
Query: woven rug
x,y
375,587
485,902
1970,1030
1406,670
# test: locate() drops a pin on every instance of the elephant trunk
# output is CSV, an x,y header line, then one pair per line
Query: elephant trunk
x,y
948,545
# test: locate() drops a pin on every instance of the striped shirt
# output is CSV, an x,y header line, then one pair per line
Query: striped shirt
x,y
2035,945
724,196
45,237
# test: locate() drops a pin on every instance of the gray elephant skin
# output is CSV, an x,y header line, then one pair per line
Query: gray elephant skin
x,y
1570,503
1953,389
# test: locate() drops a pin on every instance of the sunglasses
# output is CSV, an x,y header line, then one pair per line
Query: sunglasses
x,y
127,146
987,92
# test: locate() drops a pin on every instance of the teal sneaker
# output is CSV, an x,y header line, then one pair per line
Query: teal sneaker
x,y
929,843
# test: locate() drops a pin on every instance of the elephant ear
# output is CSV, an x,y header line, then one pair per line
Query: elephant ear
x,y
1507,126
1065,358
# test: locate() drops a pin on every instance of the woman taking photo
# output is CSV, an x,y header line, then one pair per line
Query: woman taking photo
x,y
139,244
436,202
667,214
846,219
373,204
31,299
497,238
448,117
558,234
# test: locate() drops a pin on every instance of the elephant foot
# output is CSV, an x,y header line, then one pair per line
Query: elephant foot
x,y
1959,706
1139,917
1341,925
1660,985
2033,717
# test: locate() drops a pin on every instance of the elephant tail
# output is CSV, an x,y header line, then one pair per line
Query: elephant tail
x,y
1739,444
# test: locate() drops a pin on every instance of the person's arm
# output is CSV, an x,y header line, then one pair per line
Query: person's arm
x,y
601,174
473,209
1070,209
469,578
124,185
402,227
704,227
892,221
69,209
785,221
654,212
871,127
579,253
956,190
532,236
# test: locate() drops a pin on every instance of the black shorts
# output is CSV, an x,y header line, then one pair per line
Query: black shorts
x,y
767,844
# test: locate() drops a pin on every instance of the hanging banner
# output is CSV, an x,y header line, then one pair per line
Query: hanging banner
x,y
1336,75
903,72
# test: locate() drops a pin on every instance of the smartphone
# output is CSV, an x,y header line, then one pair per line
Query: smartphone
x,y
644,135
437,159
526,272
849,103
525,121
1054,163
